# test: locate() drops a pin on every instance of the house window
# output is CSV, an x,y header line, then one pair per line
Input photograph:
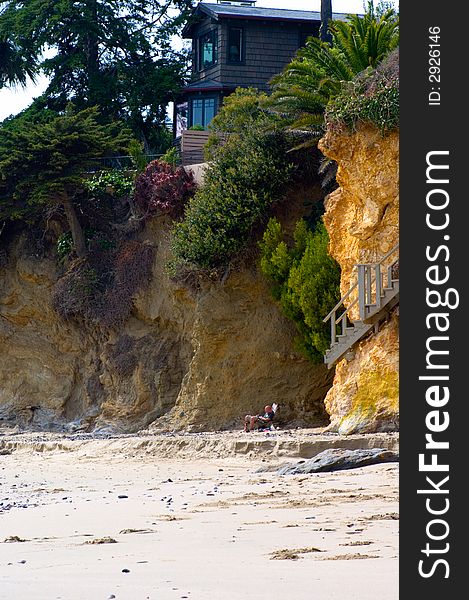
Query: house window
x,y
203,111
207,49
235,44
197,112
209,110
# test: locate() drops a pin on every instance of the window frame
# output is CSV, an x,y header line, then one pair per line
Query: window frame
x,y
199,49
242,61
203,99
191,119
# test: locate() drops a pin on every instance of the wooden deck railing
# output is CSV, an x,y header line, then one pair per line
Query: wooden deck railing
x,y
191,146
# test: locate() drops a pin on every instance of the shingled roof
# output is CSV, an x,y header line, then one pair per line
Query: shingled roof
x,y
208,85
234,11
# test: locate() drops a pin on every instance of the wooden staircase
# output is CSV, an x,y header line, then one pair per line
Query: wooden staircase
x,y
376,292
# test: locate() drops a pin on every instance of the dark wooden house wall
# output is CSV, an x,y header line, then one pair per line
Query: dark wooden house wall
x,y
268,47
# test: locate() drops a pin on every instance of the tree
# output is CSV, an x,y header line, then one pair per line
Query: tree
x,y
241,115
317,73
248,172
305,281
42,164
15,65
115,54
326,16
245,177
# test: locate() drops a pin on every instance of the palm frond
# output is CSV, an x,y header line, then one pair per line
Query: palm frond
x,y
319,70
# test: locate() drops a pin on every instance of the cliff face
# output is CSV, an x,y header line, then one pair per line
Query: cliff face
x,y
198,361
203,361
362,220
55,372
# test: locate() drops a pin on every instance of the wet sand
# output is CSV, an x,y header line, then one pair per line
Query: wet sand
x,y
106,519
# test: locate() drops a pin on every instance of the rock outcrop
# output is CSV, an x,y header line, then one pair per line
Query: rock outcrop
x,y
339,459
362,220
182,360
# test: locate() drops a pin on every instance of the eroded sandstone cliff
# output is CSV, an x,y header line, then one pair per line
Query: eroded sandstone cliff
x,y
182,360
203,360
362,220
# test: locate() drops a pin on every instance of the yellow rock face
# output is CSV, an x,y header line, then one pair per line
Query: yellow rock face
x,y
362,218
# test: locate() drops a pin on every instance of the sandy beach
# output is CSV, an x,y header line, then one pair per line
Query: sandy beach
x,y
171,517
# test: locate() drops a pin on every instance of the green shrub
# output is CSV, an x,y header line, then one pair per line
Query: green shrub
x,y
242,110
64,245
171,157
244,179
242,113
305,280
138,156
96,239
110,183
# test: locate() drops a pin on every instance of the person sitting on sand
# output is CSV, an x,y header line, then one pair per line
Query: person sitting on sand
x,y
260,420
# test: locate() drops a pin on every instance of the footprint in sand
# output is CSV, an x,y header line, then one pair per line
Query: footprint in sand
x,y
349,557
292,554
125,531
357,543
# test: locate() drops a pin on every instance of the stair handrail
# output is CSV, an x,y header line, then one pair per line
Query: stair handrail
x,y
361,293
370,283
343,316
340,302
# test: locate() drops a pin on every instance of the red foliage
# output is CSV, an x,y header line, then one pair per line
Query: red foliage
x,y
163,189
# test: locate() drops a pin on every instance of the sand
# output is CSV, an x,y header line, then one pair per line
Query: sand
x,y
118,518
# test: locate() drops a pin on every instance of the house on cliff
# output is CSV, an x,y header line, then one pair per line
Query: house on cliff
x,y
234,44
